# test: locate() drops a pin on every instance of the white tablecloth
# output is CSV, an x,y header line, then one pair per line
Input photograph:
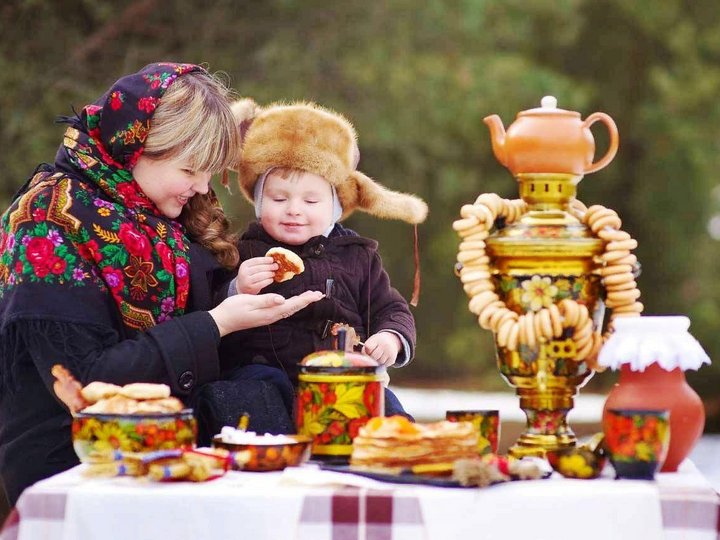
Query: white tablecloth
x,y
310,504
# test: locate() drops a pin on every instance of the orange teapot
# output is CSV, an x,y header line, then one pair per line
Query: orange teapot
x,y
550,140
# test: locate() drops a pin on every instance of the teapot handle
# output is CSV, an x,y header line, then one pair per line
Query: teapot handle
x,y
614,140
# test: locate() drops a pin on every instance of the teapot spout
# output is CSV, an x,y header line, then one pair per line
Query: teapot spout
x,y
497,135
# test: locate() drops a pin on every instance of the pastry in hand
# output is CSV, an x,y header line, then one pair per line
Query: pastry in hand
x,y
289,263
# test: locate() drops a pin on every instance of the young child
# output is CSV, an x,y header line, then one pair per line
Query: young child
x,y
298,167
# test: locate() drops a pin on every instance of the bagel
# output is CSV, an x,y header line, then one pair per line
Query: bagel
x,y
613,235
477,244
465,224
289,263
476,287
614,269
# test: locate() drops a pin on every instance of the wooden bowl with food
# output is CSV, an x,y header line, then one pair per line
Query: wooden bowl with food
x,y
104,437
110,421
262,453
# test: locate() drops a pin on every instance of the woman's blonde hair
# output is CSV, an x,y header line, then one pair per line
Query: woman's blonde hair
x,y
194,123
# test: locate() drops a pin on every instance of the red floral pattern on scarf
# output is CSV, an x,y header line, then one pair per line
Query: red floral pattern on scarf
x,y
87,223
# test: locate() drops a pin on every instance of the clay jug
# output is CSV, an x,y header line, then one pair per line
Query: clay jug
x,y
652,354
550,140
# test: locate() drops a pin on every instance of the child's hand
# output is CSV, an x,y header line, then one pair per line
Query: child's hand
x,y
255,274
383,347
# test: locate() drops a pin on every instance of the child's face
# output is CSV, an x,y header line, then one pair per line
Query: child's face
x,y
295,209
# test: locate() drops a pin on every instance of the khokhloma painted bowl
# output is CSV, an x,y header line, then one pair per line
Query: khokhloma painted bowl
x,y
103,437
266,452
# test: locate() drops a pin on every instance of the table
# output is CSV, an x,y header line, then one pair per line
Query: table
x,y
308,504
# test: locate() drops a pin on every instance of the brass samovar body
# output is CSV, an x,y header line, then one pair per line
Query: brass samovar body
x,y
544,257
546,249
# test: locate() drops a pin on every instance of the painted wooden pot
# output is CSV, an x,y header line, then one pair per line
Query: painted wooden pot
x,y
338,392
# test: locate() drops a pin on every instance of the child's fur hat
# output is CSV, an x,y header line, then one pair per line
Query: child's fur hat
x,y
311,138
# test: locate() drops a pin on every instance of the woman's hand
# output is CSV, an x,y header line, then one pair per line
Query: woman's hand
x,y
255,274
244,311
383,347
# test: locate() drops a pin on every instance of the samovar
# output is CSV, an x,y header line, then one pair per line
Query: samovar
x,y
540,270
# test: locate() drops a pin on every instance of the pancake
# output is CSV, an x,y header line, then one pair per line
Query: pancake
x,y
289,263
396,442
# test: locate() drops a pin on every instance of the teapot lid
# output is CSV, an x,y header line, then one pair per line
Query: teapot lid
x,y
642,341
548,106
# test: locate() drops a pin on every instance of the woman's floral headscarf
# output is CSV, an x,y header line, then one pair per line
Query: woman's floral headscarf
x,y
83,227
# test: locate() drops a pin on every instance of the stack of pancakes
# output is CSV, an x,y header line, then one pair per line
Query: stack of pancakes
x,y
396,442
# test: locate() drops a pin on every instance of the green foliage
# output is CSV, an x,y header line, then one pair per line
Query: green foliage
x,y
416,79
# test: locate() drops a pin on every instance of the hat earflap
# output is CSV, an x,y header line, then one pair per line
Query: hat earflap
x,y
244,110
375,199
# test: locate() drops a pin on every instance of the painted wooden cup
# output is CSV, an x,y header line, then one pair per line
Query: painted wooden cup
x,y
487,422
637,441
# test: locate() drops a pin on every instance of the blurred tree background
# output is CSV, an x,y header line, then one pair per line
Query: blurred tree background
x,y
416,79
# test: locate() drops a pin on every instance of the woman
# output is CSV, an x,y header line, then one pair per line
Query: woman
x,y
108,260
